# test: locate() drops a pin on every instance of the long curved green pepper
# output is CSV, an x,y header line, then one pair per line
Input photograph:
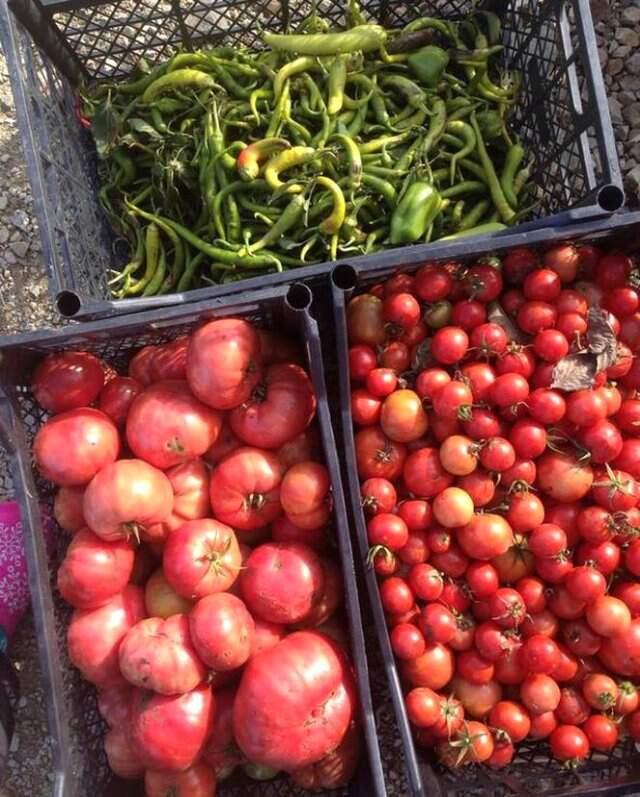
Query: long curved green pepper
x,y
499,200
437,124
156,283
289,217
303,64
180,79
466,133
152,252
512,162
337,83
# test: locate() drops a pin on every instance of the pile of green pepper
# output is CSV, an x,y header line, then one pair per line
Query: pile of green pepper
x,y
222,164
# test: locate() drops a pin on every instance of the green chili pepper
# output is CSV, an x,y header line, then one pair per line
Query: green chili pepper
x,y
377,144
366,83
296,156
437,124
429,22
156,284
465,187
152,252
179,79
415,212
302,64
466,133
481,229
337,83
277,116
472,217
365,38
289,217
354,14
383,187
334,221
354,158
428,64
248,162
497,194
512,162
415,96
255,97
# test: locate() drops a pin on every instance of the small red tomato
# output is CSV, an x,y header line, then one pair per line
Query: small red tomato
x,y
401,309
497,455
468,314
362,359
586,583
423,706
406,641
473,668
396,595
585,407
490,339
533,317
547,540
571,325
425,582
551,345
569,743
431,380
602,732
483,579
388,530
432,283
381,382
539,654
542,285
449,345
437,623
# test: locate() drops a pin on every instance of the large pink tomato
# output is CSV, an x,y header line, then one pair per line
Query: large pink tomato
x,y
304,495
282,581
94,636
222,631
197,781
224,363
126,497
201,558
190,484
158,654
122,758
221,750
67,509
113,704
245,489
116,398
169,731
280,408
67,380
94,570
295,702
72,447
166,425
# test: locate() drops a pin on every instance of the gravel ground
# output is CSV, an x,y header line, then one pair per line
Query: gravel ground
x,y
24,304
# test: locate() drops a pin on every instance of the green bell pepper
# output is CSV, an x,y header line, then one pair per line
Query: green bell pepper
x,y
428,64
414,213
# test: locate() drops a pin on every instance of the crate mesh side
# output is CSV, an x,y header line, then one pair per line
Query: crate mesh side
x,y
79,244
89,770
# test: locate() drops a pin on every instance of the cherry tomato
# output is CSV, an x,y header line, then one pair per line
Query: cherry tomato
x,y
378,495
569,743
551,345
401,309
586,583
432,283
535,316
539,654
572,709
497,454
482,579
547,540
540,693
362,359
585,407
453,400
365,407
473,668
468,314
525,512
416,513
388,530
532,591
507,607
449,345
396,595
490,339
425,582
483,283
406,641
572,325
430,380
546,406
437,623
423,707
608,616
380,382
601,732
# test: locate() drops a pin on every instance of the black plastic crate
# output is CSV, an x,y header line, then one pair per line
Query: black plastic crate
x,y
52,45
533,770
76,728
